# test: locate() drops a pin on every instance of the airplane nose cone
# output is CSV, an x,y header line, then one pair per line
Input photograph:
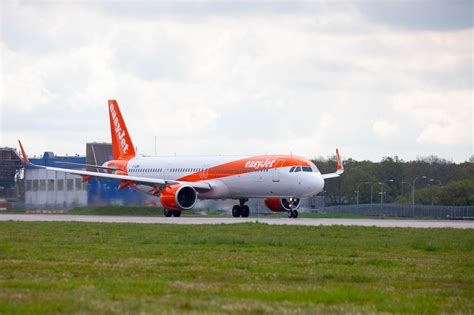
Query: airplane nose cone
x,y
316,184
320,184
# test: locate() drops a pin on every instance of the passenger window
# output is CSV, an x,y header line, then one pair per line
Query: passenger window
x,y
307,169
298,169
292,169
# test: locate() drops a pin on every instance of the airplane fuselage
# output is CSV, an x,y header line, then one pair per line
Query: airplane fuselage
x,y
232,177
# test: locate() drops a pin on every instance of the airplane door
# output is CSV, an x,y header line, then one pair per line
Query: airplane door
x,y
204,173
276,170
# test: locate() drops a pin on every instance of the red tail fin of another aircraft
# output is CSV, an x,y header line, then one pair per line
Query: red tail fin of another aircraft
x,y
122,146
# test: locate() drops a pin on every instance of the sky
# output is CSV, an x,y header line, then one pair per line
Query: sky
x,y
373,78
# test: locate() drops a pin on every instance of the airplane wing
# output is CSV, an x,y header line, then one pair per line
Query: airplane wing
x,y
340,168
126,179
89,166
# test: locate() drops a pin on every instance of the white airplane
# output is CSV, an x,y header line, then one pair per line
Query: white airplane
x,y
282,180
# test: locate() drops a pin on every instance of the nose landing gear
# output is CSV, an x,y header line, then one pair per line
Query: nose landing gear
x,y
292,203
241,210
293,214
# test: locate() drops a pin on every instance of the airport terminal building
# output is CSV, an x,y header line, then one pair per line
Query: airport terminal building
x,y
54,190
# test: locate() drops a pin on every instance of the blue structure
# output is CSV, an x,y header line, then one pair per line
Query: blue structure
x,y
49,159
105,192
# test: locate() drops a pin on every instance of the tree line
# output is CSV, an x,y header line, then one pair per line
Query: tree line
x,y
436,181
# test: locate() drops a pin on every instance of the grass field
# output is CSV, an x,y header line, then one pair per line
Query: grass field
x,y
241,268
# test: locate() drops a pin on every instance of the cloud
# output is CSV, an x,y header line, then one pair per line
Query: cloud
x,y
421,15
442,134
445,118
384,129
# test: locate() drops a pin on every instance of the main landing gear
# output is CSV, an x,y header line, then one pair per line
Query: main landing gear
x,y
241,210
168,213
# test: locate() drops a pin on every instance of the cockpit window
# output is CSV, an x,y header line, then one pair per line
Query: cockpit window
x,y
307,169
292,169
298,169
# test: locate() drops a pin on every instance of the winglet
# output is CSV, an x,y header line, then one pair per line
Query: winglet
x,y
340,166
23,154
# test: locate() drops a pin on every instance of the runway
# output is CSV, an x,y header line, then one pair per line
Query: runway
x,y
215,220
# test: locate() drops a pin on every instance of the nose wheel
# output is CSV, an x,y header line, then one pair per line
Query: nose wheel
x,y
293,214
291,203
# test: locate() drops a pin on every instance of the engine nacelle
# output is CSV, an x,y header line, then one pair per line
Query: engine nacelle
x,y
178,197
283,204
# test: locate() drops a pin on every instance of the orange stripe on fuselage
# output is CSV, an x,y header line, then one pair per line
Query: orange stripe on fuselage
x,y
247,165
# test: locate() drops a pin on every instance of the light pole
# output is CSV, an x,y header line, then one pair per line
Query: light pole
x,y
358,189
411,187
413,190
432,180
372,190
381,191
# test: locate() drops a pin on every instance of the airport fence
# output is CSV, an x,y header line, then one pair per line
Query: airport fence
x,y
403,210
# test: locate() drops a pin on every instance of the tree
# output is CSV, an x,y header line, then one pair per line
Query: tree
x,y
342,190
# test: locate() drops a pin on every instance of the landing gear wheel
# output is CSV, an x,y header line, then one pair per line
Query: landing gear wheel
x,y
290,214
176,213
245,211
167,213
295,214
236,211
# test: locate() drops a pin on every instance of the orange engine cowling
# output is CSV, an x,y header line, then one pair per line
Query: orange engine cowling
x,y
283,204
178,197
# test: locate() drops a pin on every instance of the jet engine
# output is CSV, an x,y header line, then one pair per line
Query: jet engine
x,y
283,204
178,197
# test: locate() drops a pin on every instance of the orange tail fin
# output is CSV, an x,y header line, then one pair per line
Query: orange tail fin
x,y
122,146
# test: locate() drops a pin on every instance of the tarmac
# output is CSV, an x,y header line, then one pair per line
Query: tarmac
x,y
388,223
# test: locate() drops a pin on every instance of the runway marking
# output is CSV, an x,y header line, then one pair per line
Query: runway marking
x,y
210,220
